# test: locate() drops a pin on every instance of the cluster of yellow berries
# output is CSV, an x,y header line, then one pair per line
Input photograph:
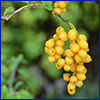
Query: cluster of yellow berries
x,y
59,7
74,59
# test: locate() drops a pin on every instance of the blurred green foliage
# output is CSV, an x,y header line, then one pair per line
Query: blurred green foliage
x,y
22,51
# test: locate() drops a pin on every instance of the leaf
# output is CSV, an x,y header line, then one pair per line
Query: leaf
x,y
47,4
18,84
25,2
9,10
4,91
71,25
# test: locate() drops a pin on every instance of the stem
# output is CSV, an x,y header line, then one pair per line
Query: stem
x,y
29,6
66,21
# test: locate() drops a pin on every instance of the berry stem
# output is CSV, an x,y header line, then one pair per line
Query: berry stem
x,y
66,21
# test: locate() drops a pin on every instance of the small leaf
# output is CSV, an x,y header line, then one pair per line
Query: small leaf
x,y
71,25
9,10
47,4
18,84
25,2
4,91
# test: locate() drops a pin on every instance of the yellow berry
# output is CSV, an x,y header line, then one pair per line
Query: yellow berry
x,y
67,67
68,52
63,10
60,43
61,62
72,34
51,51
75,47
56,5
57,11
77,58
66,76
57,57
66,2
85,71
50,43
59,29
46,50
79,83
71,86
83,44
73,79
51,59
69,60
87,59
58,66
62,4
80,68
82,53
71,92
59,50
82,37
71,43
73,67
81,76
55,37
63,36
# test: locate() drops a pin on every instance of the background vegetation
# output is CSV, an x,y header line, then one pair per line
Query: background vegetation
x,y
25,70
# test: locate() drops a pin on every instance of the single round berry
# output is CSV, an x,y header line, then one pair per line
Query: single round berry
x,y
57,11
72,43
75,47
81,76
66,76
51,51
61,62
87,59
57,57
73,79
46,50
63,36
51,59
80,68
69,60
62,4
67,67
82,37
63,10
79,83
73,67
77,58
56,5
68,52
83,44
50,43
72,34
82,53
71,92
60,43
59,50
58,66
71,86
59,29
55,37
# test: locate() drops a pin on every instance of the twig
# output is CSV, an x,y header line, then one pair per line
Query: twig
x,y
12,76
11,94
29,6
66,21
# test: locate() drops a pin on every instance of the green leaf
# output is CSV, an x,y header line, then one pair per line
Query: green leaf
x,y
4,91
25,2
47,4
9,10
71,25
18,84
